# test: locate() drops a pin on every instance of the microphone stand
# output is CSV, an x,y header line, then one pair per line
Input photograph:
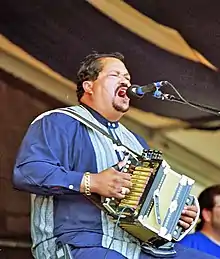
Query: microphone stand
x,y
201,107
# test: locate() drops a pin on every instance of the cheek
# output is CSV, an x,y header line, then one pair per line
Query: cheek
x,y
104,95
109,90
216,216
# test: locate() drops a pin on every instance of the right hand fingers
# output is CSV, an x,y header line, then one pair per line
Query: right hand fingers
x,y
122,192
123,179
119,196
121,175
109,183
126,183
125,190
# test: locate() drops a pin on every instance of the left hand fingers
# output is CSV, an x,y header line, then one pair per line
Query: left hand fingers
x,y
184,224
188,216
190,211
187,220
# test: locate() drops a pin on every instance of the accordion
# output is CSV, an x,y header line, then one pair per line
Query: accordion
x,y
152,209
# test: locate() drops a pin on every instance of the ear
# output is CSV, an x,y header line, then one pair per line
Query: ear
x,y
207,215
88,87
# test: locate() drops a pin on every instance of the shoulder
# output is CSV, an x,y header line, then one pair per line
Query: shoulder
x,y
55,118
193,235
191,238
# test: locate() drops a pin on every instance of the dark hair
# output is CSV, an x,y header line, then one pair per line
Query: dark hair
x,y
90,68
206,201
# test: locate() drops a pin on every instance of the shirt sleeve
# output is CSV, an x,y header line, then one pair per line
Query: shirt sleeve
x,y
41,164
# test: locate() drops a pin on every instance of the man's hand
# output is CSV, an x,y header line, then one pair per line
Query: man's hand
x,y
188,216
111,182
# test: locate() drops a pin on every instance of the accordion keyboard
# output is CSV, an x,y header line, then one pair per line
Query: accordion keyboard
x,y
143,171
140,178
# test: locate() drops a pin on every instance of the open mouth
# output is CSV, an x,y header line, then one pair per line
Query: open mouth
x,y
122,92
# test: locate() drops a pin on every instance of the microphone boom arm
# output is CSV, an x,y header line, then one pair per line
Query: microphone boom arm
x,y
172,98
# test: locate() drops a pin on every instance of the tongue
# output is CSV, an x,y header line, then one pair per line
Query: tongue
x,y
121,92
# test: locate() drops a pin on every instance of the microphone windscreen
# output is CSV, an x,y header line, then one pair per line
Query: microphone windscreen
x,y
131,92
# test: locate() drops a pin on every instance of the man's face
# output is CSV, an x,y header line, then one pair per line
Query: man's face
x,y
215,215
111,85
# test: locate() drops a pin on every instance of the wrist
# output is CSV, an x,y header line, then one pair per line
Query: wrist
x,y
93,183
87,183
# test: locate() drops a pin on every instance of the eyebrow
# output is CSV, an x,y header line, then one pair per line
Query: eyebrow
x,y
118,72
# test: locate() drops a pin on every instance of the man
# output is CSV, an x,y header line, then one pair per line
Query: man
x,y
60,159
207,235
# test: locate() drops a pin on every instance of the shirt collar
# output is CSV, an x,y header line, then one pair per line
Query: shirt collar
x,y
101,119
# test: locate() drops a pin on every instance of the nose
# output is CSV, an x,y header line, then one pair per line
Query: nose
x,y
124,81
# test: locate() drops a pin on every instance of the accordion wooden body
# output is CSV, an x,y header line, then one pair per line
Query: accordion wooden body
x,y
154,205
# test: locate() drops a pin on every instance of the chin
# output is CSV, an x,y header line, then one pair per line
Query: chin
x,y
121,108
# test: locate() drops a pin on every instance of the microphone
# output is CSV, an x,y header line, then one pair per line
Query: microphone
x,y
140,91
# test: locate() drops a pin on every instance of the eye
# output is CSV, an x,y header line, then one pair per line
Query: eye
x,y
113,74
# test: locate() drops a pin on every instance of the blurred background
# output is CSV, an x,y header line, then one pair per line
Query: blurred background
x,y
41,46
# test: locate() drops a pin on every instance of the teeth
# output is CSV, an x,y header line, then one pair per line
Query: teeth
x,y
121,92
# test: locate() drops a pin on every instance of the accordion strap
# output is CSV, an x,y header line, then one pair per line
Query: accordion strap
x,y
93,126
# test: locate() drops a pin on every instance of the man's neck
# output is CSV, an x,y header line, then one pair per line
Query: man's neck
x,y
110,116
212,234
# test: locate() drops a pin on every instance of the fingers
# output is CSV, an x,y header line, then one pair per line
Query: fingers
x,y
119,196
123,184
125,190
125,177
187,220
184,224
121,193
123,180
121,176
188,216
190,212
120,190
113,183
191,208
126,183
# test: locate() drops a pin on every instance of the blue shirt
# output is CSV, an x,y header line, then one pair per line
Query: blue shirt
x,y
201,242
55,153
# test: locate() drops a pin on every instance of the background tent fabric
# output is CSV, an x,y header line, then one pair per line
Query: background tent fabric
x,y
60,35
